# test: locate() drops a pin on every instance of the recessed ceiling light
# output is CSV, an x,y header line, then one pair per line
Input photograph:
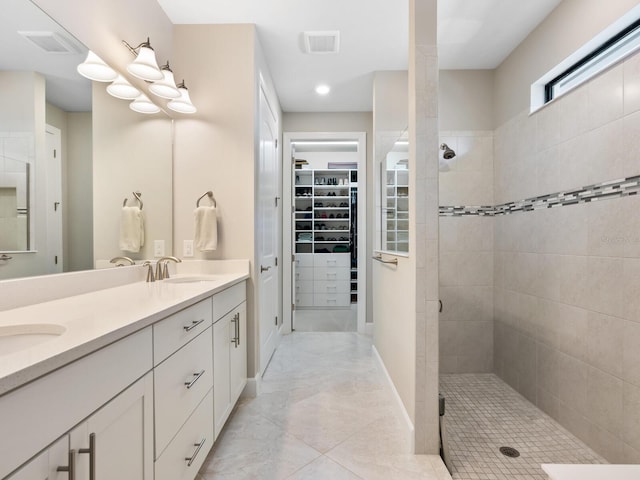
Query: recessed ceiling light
x,y
323,89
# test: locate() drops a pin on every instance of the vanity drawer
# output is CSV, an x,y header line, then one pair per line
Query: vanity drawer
x,y
331,273
193,441
304,273
304,299
303,260
227,300
173,332
180,383
332,300
332,287
304,286
331,260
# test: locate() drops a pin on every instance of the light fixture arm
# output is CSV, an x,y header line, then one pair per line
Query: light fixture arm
x,y
166,67
135,50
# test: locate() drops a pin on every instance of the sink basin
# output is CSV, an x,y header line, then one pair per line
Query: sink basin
x,y
193,279
14,338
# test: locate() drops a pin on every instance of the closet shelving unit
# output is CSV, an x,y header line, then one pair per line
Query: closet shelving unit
x,y
397,217
325,230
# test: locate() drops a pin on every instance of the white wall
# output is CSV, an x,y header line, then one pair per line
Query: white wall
x,y
466,100
131,152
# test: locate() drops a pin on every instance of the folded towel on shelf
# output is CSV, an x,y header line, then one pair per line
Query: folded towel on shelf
x,y
131,229
206,237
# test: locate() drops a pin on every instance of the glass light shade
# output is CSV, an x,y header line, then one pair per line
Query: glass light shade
x,y
182,104
165,88
94,68
142,104
120,88
145,66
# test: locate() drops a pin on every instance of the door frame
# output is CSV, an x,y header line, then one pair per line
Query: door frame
x,y
288,172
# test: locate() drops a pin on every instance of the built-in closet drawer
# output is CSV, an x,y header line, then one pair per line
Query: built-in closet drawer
x,y
304,300
180,384
228,299
331,273
304,286
187,451
331,287
303,260
304,273
173,332
330,260
328,300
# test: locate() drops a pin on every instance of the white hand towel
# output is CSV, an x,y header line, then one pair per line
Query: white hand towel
x,y
206,237
131,229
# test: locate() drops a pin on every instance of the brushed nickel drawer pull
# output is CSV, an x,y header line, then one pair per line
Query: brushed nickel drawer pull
x,y
193,325
92,455
195,379
71,468
193,456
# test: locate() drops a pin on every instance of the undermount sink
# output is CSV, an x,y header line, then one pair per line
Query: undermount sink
x,y
193,279
14,338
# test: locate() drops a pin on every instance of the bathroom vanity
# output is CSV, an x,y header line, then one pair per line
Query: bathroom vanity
x,y
133,381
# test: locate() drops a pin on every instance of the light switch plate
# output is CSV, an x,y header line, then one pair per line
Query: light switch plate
x,y
187,248
158,248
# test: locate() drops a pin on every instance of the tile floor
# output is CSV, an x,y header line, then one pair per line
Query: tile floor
x,y
324,413
326,320
483,414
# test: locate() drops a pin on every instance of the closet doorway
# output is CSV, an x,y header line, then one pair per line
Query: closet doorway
x,y
325,234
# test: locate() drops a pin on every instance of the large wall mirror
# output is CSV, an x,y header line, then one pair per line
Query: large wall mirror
x,y
70,154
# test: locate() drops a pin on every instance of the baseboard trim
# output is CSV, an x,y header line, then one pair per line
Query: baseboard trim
x,y
252,388
400,409
368,329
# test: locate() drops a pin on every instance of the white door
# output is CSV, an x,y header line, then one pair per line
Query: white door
x,y
267,234
54,200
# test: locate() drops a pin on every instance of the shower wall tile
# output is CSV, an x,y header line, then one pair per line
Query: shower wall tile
x,y
631,73
572,382
604,337
631,406
631,353
605,286
607,443
605,400
605,94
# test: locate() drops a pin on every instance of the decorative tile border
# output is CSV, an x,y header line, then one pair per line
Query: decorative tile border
x,y
612,189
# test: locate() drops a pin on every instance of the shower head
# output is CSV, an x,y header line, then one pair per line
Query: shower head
x,y
448,153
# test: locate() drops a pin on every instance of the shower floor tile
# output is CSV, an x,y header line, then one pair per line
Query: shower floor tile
x,y
483,414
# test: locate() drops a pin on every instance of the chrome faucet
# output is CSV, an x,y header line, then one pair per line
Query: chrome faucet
x,y
123,259
162,266
150,276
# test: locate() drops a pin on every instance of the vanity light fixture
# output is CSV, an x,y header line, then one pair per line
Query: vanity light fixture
x,y
165,88
182,104
145,65
94,68
120,88
142,104
323,89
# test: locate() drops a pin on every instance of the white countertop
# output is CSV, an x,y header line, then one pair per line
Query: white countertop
x,y
591,472
96,319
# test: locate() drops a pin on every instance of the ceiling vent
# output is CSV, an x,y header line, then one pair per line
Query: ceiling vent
x,y
52,42
322,42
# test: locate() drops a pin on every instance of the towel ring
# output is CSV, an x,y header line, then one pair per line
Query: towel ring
x,y
207,194
137,195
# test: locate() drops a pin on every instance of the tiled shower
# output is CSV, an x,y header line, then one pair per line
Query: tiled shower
x,y
545,293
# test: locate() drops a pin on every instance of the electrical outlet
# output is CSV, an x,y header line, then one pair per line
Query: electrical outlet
x,y
158,248
187,248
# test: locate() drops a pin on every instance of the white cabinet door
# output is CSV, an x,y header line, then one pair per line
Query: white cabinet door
x,y
45,466
116,441
238,359
221,382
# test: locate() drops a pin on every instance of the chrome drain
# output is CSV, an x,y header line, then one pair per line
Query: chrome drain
x,y
509,452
